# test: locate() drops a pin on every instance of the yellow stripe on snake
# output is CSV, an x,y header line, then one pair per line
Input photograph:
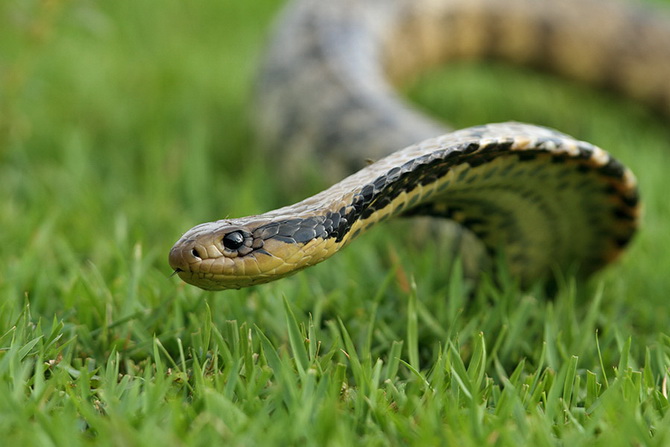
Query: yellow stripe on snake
x,y
547,201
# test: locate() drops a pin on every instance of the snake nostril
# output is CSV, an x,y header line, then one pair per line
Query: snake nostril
x,y
195,253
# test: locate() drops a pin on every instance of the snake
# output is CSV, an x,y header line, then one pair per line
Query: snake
x,y
327,92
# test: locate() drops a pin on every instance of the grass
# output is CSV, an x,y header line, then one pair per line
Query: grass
x,y
124,123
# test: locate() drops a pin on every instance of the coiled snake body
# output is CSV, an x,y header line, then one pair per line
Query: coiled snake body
x,y
546,200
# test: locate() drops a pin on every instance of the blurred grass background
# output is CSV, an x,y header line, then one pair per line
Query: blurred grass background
x,y
124,123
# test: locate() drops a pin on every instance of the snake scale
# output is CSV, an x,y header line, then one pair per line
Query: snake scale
x,y
545,200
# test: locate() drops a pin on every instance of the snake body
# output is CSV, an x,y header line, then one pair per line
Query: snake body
x,y
546,200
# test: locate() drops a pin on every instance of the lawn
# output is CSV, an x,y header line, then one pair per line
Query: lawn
x,y
124,123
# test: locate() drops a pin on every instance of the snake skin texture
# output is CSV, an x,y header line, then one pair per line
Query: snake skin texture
x,y
326,92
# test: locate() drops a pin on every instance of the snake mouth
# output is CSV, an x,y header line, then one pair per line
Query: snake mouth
x,y
203,280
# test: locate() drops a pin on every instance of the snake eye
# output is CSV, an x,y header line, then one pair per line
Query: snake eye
x,y
233,241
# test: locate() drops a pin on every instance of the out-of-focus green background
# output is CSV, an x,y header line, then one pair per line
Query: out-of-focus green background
x,y
124,123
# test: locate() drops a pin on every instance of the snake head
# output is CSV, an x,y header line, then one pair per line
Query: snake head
x,y
230,254
209,253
